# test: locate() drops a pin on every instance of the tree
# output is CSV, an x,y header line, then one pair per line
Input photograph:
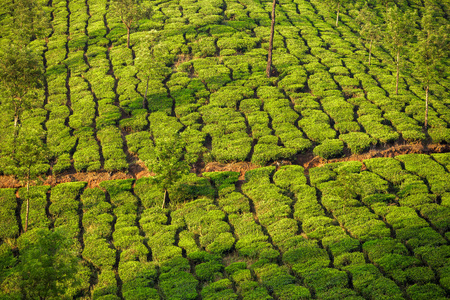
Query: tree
x,y
168,163
369,31
26,20
272,32
20,77
336,4
30,158
432,49
151,66
47,265
386,3
130,12
398,32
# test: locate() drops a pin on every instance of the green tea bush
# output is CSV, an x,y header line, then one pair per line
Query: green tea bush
x,y
64,207
238,41
230,96
426,291
231,147
112,149
221,289
38,198
375,128
190,187
98,252
8,201
267,149
304,260
357,142
178,284
326,279
316,125
59,139
109,114
439,135
329,148
86,156
203,47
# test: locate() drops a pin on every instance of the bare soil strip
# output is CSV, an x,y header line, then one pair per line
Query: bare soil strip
x,y
308,160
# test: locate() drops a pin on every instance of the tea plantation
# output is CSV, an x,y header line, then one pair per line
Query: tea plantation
x,y
195,70
372,230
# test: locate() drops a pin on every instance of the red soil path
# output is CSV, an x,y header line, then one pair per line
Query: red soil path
x,y
138,170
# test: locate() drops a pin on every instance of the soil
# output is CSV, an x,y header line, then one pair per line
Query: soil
x,y
308,160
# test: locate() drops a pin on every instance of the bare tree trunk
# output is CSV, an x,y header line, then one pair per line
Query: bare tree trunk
x,y
128,37
164,201
337,15
370,51
145,95
272,31
16,132
396,82
426,108
28,203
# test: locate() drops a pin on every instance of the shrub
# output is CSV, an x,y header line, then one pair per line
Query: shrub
x,y
325,279
180,285
289,176
8,204
221,289
190,187
148,193
266,150
426,291
107,285
98,252
329,148
112,149
86,157
208,271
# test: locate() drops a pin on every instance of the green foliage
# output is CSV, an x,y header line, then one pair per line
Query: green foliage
x,y
25,20
357,142
8,203
130,12
20,77
329,148
47,263
168,164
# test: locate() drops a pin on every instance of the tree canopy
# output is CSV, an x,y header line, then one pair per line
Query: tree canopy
x,y
130,12
398,32
432,48
25,21
20,77
46,268
169,164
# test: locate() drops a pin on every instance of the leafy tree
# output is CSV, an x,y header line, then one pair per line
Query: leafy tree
x,y
20,77
336,4
398,32
151,66
47,265
431,50
30,161
272,32
25,21
369,31
130,12
386,3
168,163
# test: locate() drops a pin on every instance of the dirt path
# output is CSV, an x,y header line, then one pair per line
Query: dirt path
x,y
138,170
